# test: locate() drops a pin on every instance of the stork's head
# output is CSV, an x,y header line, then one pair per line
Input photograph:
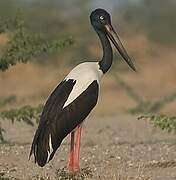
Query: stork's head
x,y
99,18
101,21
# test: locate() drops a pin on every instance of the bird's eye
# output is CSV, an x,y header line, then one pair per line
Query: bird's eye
x,y
101,17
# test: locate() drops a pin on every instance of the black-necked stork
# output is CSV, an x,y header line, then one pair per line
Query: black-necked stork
x,y
74,98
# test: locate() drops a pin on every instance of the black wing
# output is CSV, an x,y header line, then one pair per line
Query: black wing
x,y
57,122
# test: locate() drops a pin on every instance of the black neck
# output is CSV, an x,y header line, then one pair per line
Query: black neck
x,y
106,61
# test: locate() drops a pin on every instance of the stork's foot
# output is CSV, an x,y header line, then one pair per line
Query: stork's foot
x,y
83,173
73,169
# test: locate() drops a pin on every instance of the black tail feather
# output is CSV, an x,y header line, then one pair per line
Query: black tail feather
x,y
40,146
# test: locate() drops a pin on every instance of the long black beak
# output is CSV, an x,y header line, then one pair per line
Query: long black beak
x,y
117,43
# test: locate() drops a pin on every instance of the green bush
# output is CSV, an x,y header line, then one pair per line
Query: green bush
x,y
27,114
24,45
162,121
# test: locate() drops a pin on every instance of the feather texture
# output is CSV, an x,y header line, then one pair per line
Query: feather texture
x,y
84,74
57,122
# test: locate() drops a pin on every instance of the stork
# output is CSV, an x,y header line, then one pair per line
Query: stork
x,y
74,98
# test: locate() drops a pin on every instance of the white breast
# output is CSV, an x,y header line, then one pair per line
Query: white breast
x,y
84,74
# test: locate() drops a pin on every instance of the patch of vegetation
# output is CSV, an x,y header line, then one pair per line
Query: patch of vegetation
x,y
129,90
162,121
144,106
64,174
7,100
3,177
150,108
24,45
26,114
153,107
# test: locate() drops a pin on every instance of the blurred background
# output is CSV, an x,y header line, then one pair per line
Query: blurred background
x,y
146,27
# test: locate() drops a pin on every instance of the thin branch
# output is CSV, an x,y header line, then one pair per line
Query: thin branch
x,y
162,121
25,113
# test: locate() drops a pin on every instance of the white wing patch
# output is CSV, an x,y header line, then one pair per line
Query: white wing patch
x,y
50,148
84,74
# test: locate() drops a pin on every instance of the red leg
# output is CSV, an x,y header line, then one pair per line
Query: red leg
x,y
71,158
73,164
77,147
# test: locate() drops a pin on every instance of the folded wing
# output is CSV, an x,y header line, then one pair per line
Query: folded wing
x,y
57,121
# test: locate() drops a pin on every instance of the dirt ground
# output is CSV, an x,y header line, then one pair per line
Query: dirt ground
x,y
113,147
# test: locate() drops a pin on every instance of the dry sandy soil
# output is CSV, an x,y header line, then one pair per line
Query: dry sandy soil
x,y
113,147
